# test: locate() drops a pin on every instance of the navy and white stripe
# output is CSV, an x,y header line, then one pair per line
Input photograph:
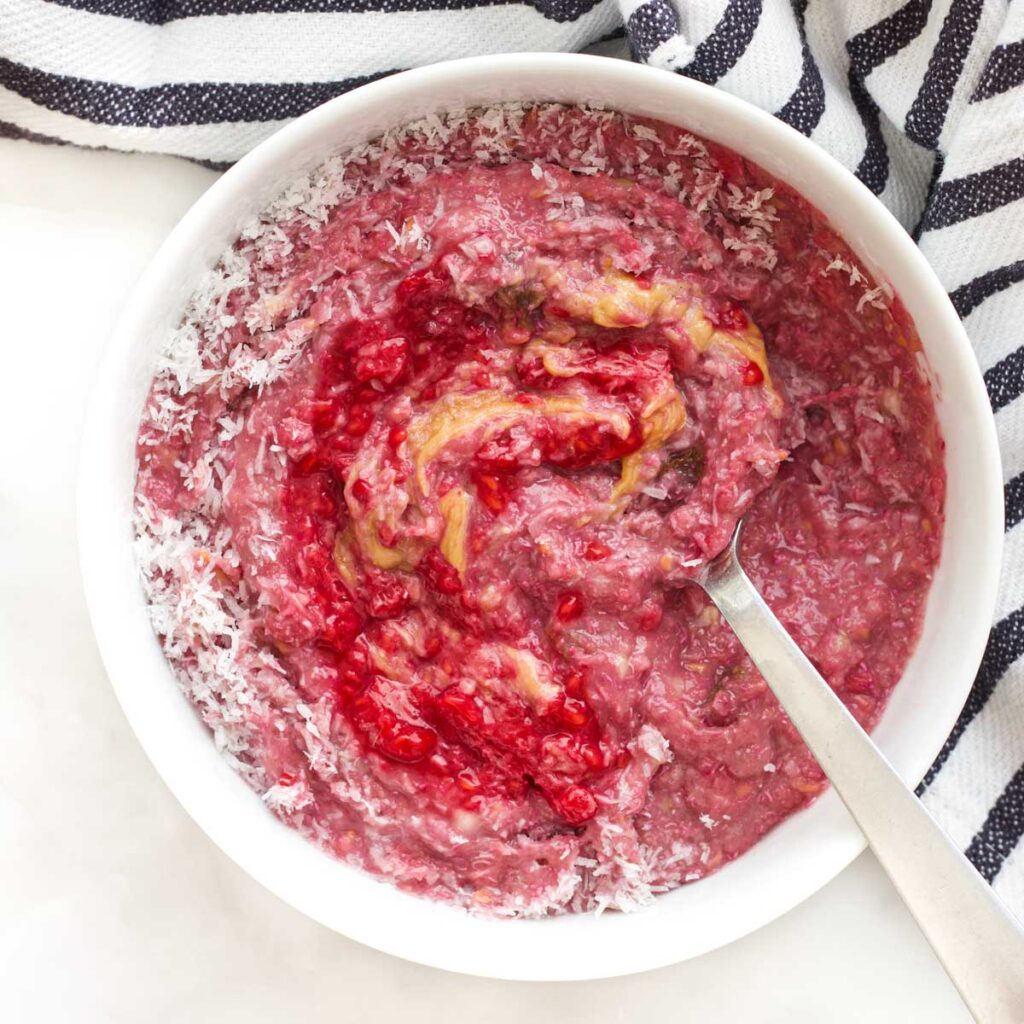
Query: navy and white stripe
x,y
209,79
922,99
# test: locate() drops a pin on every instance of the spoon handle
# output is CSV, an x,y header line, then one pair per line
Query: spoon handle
x,y
977,941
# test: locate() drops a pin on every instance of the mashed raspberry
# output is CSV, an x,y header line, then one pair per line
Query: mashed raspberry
x,y
429,469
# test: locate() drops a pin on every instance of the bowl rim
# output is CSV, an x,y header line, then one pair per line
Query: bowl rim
x,y
369,917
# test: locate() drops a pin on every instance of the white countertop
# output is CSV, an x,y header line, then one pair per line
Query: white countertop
x,y
114,907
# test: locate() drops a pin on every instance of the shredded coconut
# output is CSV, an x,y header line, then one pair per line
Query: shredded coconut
x,y
244,328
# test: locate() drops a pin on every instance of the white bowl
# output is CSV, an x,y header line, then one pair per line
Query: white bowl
x,y
796,859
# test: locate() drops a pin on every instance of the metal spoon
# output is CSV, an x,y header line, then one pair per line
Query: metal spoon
x,y
978,942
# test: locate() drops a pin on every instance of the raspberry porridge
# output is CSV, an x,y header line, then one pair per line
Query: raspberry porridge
x,y
428,468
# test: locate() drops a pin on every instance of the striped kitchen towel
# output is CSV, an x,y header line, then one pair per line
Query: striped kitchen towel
x,y
923,99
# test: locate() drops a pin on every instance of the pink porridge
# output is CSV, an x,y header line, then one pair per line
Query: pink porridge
x,y
426,473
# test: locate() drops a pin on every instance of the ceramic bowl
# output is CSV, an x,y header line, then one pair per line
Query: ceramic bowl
x,y
794,860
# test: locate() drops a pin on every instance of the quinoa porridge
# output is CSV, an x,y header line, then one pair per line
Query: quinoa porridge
x,y
428,467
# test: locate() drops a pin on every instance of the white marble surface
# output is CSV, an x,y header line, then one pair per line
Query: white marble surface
x,y
114,907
